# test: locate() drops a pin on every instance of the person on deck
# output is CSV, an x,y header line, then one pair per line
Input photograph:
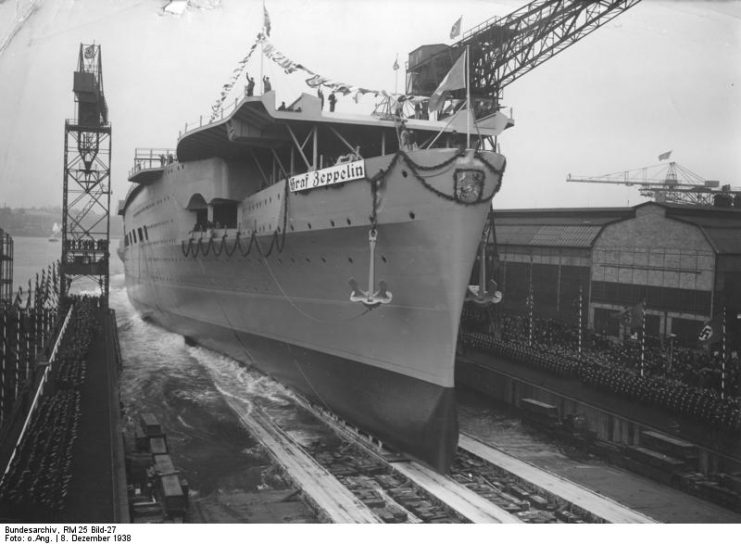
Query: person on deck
x,y
266,86
250,85
406,138
332,101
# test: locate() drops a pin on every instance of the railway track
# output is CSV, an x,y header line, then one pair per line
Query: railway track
x,y
349,477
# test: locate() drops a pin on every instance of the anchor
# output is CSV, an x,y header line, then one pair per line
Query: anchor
x,y
479,293
371,298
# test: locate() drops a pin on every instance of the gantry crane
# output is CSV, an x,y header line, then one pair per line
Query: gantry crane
x,y
87,187
672,183
504,49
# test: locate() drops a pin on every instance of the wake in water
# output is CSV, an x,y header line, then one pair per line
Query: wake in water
x,y
197,395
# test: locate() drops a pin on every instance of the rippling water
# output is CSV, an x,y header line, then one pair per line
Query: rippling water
x,y
196,394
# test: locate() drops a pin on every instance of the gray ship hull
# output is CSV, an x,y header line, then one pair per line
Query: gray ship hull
x,y
276,294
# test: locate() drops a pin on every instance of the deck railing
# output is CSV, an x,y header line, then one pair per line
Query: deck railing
x,y
206,120
151,157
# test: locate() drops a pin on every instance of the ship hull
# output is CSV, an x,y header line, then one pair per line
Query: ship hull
x,y
416,417
282,302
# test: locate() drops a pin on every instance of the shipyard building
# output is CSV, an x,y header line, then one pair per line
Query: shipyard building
x,y
682,262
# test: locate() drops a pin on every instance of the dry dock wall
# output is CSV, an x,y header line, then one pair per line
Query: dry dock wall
x,y
87,445
611,419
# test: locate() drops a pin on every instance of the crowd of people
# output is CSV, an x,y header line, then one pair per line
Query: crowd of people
x,y
70,364
40,474
691,382
39,477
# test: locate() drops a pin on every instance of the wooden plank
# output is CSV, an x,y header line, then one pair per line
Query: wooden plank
x,y
335,500
590,501
461,499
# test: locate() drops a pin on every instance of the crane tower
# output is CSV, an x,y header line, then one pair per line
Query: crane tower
x,y
504,49
87,168
672,183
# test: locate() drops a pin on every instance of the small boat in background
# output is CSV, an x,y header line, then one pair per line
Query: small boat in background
x,y
56,233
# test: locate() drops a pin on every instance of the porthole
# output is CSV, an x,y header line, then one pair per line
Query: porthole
x,y
349,259
404,173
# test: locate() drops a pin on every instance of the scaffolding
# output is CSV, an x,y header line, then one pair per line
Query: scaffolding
x,y
86,193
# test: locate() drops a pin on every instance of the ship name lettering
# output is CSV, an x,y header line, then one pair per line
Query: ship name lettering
x,y
340,173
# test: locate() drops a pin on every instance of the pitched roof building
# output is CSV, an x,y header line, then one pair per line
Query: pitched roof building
x,y
683,261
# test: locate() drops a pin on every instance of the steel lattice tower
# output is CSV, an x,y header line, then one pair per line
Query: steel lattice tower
x,y
503,49
87,169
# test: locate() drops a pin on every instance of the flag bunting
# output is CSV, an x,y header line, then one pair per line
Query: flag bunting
x,y
454,79
266,20
314,80
455,30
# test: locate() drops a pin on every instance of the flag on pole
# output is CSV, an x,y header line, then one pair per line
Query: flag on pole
x,y
455,30
665,156
711,331
266,20
396,63
454,79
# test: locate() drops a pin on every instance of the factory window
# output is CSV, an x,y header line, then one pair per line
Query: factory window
x,y
606,322
139,229
545,280
686,330
664,298
516,281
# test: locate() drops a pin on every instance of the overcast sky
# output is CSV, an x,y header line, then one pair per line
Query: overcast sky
x,y
665,75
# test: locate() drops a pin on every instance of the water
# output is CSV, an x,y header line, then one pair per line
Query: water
x,y
30,255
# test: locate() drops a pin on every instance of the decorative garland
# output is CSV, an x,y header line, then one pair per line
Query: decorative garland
x,y
289,66
236,73
217,249
414,167
195,249
316,80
